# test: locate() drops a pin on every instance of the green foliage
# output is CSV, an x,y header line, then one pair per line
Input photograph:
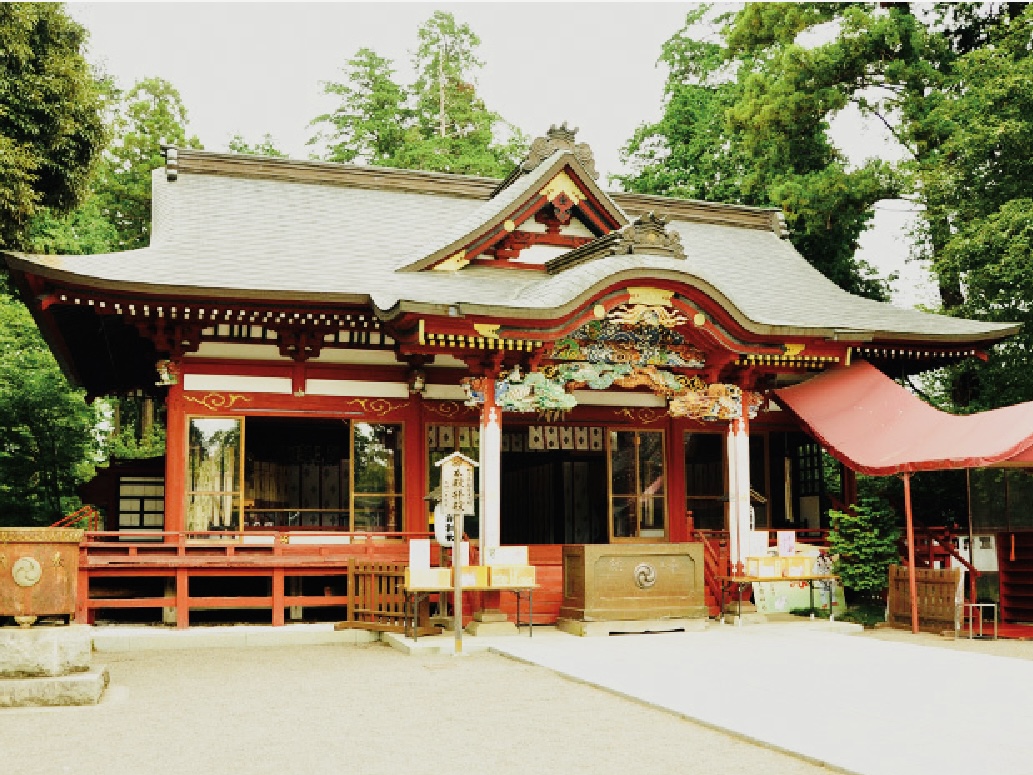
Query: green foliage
x,y
51,127
748,104
148,116
978,184
47,443
264,147
746,121
368,126
83,231
865,543
125,445
439,123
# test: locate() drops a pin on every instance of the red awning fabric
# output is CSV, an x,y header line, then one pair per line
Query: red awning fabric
x,y
875,426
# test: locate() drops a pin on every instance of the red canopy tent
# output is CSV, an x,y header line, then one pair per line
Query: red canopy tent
x,y
873,425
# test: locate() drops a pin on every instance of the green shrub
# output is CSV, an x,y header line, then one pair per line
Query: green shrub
x,y
864,540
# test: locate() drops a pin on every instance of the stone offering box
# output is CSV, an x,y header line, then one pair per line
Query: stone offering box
x,y
38,571
633,582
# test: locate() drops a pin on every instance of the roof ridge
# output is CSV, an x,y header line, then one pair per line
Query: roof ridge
x,y
201,162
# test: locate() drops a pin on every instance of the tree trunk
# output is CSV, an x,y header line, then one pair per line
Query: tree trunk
x,y
146,418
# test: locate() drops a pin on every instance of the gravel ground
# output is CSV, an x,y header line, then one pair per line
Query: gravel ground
x,y
1016,649
361,709
370,709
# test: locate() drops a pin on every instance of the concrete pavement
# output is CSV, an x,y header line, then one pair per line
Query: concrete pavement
x,y
858,704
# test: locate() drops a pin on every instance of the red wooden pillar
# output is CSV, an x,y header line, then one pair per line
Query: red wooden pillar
x,y
678,531
175,461
82,592
911,573
277,594
182,599
415,464
849,487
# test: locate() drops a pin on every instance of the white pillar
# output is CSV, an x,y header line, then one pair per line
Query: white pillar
x,y
742,481
731,450
491,469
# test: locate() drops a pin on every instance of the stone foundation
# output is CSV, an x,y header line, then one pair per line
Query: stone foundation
x,y
49,666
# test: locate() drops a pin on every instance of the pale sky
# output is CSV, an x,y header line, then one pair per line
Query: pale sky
x,y
258,68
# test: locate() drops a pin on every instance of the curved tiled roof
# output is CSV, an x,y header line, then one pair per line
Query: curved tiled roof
x,y
255,229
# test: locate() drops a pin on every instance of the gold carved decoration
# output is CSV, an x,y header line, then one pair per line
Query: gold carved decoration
x,y
3,560
57,560
647,315
450,409
563,184
792,350
214,401
490,331
41,535
643,415
378,406
653,297
453,263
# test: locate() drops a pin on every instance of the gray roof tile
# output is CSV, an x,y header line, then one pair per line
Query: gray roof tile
x,y
218,233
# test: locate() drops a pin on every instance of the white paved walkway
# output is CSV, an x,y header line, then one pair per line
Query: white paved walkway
x,y
867,706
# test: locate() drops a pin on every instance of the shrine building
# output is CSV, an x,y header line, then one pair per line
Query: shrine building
x,y
322,334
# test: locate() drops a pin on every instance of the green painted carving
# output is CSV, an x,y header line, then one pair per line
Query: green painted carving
x,y
534,392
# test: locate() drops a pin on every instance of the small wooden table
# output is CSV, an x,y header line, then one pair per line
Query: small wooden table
x,y
414,595
826,580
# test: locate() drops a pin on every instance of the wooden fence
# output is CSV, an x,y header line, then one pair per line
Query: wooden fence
x,y
937,596
379,594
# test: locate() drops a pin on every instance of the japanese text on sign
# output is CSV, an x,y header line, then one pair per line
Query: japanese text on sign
x,y
457,485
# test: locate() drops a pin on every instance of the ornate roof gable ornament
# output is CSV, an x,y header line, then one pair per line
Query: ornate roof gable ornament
x,y
649,232
559,138
646,234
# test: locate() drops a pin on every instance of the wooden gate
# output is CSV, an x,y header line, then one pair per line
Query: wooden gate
x,y
937,594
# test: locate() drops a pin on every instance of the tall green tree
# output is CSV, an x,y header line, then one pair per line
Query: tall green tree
x,y
47,440
454,131
51,136
440,123
51,124
746,120
151,114
977,184
368,127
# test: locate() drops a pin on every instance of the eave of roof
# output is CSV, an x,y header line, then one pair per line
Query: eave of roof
x,y
217,236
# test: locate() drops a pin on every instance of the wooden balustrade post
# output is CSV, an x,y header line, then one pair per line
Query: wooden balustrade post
x,y
82,592
278,594
350,589
182,598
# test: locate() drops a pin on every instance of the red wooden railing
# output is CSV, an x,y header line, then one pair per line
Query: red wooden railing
x,y
715,559
125,558
85,517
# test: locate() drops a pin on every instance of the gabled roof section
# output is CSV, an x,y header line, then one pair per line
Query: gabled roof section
x,y
648,234
550,202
